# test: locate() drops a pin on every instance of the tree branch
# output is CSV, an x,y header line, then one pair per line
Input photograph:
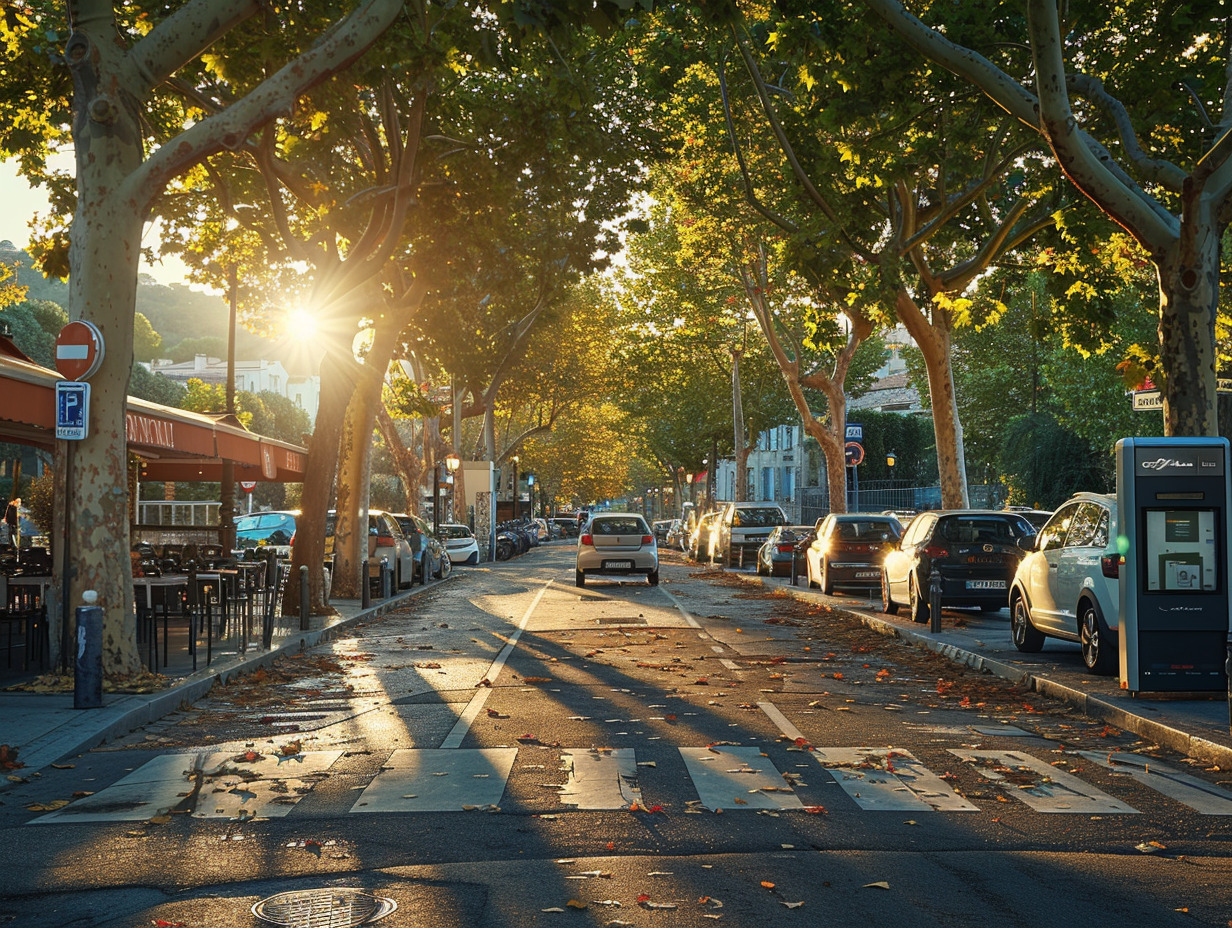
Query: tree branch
x,y
184,35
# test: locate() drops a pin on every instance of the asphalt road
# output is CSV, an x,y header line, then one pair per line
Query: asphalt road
x,y
513,751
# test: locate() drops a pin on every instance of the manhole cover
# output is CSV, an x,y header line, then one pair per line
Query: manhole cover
x,y
323,908
620,620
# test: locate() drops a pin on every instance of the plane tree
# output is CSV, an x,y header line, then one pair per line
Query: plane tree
x,y
106,90
1134,101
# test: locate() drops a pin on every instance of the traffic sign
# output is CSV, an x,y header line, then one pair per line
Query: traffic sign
x,y
855,431
1149,400
79,350
854,452
248,485
72,410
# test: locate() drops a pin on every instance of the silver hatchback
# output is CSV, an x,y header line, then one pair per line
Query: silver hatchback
x,y
617,543
1067,587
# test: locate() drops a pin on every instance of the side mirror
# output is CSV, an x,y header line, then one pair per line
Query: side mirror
x,y
1028,542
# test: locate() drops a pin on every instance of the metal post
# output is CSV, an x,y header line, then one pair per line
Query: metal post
x,y
88,679
303,598
386,579
934,601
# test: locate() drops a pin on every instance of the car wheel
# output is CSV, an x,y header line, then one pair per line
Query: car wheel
x,y
579,578
919,604
473,559
653,577
1027,638
439,572
397,576
1096,640
808,569
888,605
827,582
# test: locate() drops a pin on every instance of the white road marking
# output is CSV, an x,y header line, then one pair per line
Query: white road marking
x,y
232,789
437,780
1185,788
730,665
475,706
889,779
683,611
1041,786
600,779
779,719
737,778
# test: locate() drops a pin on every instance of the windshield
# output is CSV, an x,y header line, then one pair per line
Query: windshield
x,y
868,530
455,531
984,530
630,525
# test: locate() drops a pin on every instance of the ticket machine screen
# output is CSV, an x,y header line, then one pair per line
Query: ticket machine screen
x,y
1182,551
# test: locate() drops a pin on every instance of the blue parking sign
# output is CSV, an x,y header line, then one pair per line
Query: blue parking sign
x,y
72,410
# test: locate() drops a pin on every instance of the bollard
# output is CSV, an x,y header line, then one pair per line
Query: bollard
x,y
795,567
303,598
88,679
386,579
934,601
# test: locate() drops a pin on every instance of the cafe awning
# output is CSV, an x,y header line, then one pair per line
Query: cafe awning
x,y
174,444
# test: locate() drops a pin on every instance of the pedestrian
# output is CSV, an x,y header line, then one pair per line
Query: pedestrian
x,y
12,520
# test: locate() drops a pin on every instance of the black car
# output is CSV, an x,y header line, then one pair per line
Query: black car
x,y
976,553
849,548
781,548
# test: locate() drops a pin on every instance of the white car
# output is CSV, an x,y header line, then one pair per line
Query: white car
x,y
460,543
1067,587
618,543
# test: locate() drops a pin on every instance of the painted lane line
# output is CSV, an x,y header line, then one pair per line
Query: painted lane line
x,y
600,779
732,778
475,706
779,719
889,780
683,611
1041,786
730,665
436,780
1202,797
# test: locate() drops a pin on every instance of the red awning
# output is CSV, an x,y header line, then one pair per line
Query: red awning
x,y
174,444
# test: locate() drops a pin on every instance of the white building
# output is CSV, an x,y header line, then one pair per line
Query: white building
x,y
251,376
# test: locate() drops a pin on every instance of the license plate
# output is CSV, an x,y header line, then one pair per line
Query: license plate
x,y
625,565
867,574
986,584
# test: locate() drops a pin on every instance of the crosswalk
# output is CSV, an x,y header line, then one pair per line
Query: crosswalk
x,y
723,777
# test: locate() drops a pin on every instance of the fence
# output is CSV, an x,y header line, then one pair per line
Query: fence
x,y
176,521
882,495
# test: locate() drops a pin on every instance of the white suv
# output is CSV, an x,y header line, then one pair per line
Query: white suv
x,y
1067,587
743,528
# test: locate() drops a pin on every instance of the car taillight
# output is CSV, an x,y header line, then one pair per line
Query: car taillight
x,y
588,540
934,551
384,541
292,541
1110,565
786,549
648,539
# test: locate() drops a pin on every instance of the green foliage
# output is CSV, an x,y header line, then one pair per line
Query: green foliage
x,y
909,437
35,325
155,387
1044,464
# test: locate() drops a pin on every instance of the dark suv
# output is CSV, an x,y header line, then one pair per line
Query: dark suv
x,y
976,552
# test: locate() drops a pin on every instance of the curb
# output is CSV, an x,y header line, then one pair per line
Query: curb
x,y
1165,735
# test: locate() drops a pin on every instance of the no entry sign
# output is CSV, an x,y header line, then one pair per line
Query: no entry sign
x,y
79,350
248,485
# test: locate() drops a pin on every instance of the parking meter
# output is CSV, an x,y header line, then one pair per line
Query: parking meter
x,y
1173,536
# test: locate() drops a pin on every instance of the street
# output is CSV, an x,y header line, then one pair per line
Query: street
x,y
510,750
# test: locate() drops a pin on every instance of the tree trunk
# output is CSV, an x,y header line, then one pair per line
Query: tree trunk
x,y
103,262
934,344
407,466
336,375
1188,301
458,498
742,455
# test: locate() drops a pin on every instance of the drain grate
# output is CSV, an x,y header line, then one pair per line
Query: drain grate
x,y
620,620
323,908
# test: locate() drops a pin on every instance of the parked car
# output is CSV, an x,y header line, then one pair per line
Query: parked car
x,y
265,530
545,534
460,543
702,538
385,540
1036,517
849,549
775,556
743,528
661,528
976,553
619,543
1067,587
427,550
678,535
568,525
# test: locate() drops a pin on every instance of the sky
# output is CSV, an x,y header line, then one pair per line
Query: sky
x,y
21,202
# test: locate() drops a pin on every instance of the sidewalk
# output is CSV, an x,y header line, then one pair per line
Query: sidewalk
x,y
1196,727
44,727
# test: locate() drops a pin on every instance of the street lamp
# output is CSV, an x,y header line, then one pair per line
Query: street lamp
x,y
516,459
891,460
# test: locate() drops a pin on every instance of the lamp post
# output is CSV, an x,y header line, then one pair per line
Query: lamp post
x,y
530,495
452,463
516,459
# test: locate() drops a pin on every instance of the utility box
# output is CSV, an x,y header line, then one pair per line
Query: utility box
x,y
1172,511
